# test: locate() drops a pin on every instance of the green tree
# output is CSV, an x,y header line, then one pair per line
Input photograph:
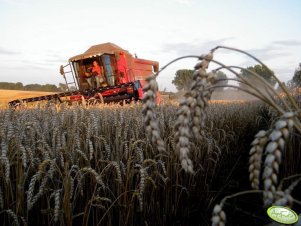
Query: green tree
x,y
29,87
72,88
44,88
19,85
183,79
262,71
7,85
63,87
223,82
297,77
33,87
50,88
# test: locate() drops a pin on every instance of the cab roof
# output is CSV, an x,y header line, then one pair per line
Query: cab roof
x,y
98,50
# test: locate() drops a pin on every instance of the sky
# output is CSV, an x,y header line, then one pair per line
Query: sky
x,y
37,36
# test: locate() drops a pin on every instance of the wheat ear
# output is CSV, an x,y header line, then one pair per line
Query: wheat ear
x,y
258,144
273,151
285,198
57,204
14,216
150,120
191,113
219,216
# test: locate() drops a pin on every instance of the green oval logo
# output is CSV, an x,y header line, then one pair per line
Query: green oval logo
x,y
283,215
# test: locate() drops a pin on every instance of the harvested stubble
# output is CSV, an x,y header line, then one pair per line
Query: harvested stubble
x,y
96,166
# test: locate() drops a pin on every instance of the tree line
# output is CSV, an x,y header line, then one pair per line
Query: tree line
x,y
183,78
33,87
295,82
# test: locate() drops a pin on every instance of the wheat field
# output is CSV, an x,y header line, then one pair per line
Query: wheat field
x,y
192,162
96,166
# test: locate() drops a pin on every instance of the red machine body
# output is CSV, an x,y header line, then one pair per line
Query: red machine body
x,y
119,67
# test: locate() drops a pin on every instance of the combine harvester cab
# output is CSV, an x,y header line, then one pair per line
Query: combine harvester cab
x,y
124,76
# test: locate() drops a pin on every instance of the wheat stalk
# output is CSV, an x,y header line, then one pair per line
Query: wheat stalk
x,y
1,199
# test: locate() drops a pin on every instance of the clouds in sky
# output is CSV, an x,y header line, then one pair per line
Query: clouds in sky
x,y
196,47
270,52
280,56
288,42
39,36
184,1
4,51
277,55
12,2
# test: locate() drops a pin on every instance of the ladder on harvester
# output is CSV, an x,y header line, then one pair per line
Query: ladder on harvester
x,y
63,73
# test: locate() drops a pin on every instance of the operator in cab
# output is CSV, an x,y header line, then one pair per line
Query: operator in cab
x,y
94,72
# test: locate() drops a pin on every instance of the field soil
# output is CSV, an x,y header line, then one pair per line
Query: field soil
x,y
9,95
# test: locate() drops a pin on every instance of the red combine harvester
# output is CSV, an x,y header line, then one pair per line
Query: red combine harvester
x,y
124,76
